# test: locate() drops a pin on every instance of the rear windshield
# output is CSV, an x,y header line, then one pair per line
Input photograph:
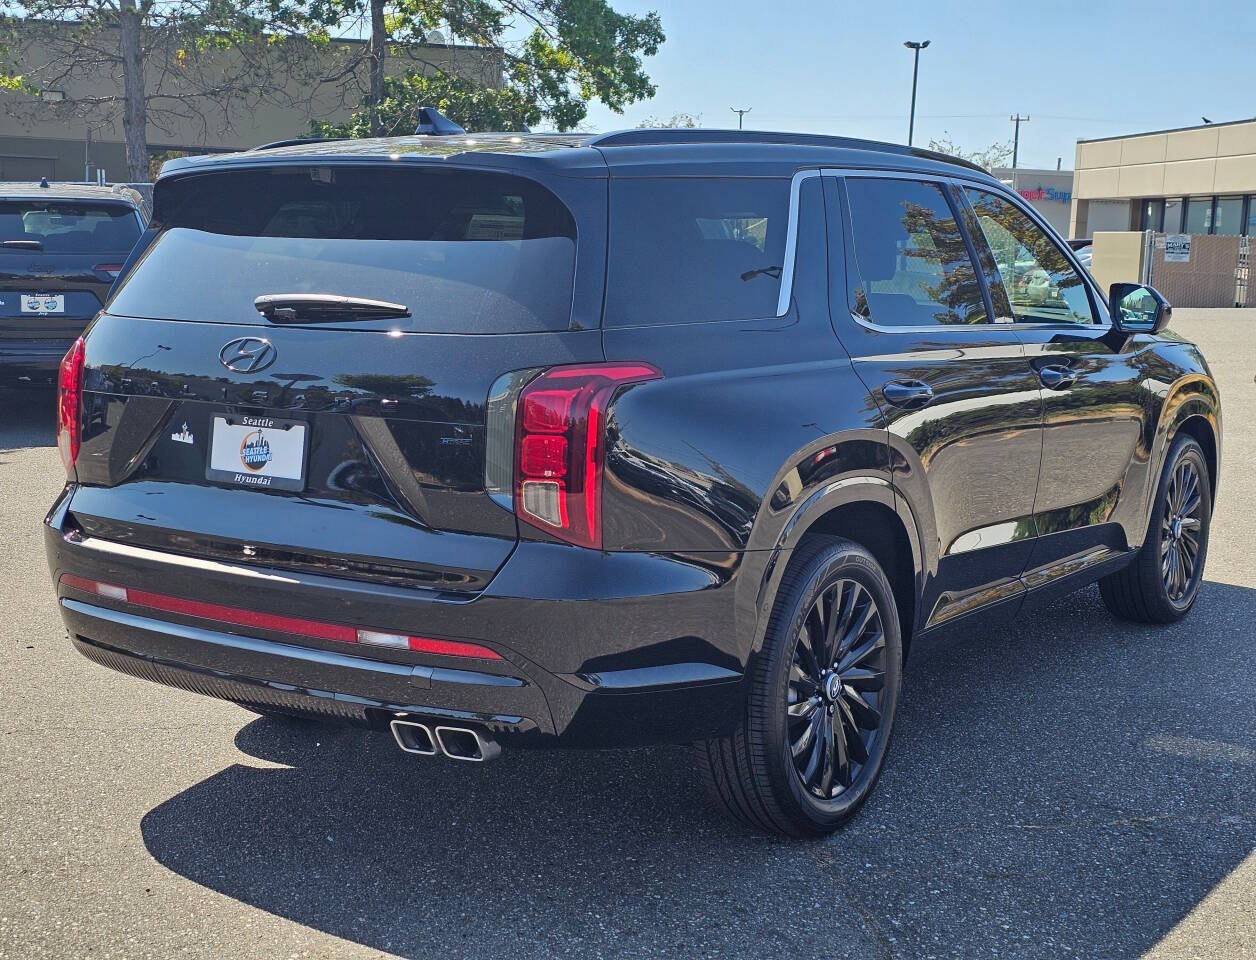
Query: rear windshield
x,y
693,250
68,226
464,252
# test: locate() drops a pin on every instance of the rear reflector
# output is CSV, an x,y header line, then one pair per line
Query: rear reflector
x,y
277,623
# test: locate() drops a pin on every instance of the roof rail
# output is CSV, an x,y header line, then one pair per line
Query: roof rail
x,y
433,123
295,142
647,136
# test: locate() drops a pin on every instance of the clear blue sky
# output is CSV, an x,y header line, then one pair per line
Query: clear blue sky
x,y
1078,69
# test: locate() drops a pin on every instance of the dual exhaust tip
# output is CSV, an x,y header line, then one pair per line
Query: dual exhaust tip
x,y
456,743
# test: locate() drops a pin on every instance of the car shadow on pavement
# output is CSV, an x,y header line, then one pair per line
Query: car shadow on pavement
x,y
28,417
1068,785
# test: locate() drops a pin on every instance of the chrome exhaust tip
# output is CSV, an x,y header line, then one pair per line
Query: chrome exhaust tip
x,y
462,743
413,737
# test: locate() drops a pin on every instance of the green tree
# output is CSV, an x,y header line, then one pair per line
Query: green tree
x,y
556,56
177,62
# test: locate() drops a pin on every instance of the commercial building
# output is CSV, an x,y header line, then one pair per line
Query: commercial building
x,y
48,136
1050,192
1194,180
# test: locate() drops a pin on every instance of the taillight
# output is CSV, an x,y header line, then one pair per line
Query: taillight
x,y
69,404
113,269
559,447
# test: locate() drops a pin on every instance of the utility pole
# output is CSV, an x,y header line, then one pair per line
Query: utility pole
x,y
915,73
1018,120
740,114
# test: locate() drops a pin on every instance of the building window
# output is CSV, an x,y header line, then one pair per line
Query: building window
x,y
1172,216
1152,215
1199,215
1250,230
1227,217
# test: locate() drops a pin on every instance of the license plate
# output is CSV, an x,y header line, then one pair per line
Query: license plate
x,y
39,303
257,452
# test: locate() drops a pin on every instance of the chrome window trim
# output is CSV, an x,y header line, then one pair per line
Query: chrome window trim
x,y
791,240
960,179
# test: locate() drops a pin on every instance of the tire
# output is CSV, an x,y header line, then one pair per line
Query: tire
x,y
752,774
1181,515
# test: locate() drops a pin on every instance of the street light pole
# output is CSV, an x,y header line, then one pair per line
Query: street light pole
x,y
917,46
740,114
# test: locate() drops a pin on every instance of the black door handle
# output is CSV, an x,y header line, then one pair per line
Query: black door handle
x,y
908,394
1057,378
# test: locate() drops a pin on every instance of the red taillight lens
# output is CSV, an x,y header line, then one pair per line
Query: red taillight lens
x,y
559,447
113,269
69,405
277,622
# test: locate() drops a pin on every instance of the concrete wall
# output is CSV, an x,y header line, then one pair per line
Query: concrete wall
x,y
1117,257
42,134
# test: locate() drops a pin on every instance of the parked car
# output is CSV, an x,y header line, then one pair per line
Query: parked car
x,y
61,247
678,436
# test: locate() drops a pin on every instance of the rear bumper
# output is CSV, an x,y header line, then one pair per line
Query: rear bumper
x,y
616,667
26,357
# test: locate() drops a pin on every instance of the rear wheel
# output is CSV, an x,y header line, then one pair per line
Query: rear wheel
x,y
1161,585
821,701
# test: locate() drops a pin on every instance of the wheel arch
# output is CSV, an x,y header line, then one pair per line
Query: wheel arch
x,y
1200,429
866,510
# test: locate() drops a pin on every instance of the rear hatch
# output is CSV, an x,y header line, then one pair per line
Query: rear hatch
x,y
296,372
58,258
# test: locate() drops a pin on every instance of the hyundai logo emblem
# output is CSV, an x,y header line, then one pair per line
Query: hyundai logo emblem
x,y
247,354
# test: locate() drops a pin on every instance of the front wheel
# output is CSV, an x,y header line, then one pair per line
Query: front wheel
x,y
1161,585
822,695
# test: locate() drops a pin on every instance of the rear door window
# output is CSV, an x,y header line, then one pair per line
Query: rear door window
x,y
463,252
913,263
692,250
53,226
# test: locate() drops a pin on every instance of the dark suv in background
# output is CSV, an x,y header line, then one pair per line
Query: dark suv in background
x,y
61,247
658,436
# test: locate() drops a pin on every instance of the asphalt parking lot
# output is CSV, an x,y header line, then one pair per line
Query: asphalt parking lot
x,y
1068,787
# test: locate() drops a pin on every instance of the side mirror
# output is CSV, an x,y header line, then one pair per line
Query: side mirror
x,y
1136,308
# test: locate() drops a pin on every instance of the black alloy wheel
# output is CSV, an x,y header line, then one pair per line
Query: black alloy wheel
x,y
821,697
1162,581
835,683
1180,532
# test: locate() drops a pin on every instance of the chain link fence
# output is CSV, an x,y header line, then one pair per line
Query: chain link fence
x,y
1199,270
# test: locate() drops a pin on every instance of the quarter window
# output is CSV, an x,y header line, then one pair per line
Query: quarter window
x,y
1041,283
693,250
914,267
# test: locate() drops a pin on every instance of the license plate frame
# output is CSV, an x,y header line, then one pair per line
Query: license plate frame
x,y
41,304
266,453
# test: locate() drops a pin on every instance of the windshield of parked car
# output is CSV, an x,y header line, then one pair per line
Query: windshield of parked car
x,y
64,226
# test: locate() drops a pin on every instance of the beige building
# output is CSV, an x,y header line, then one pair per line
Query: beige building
x,y
50,138
1196,180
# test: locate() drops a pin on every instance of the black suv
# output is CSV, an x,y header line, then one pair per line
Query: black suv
x,y
658,436
61,246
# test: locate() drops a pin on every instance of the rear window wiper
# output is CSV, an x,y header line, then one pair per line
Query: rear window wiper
x,y
23,244
325,308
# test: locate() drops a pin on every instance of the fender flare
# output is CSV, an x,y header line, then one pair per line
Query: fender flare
x,y
843,491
